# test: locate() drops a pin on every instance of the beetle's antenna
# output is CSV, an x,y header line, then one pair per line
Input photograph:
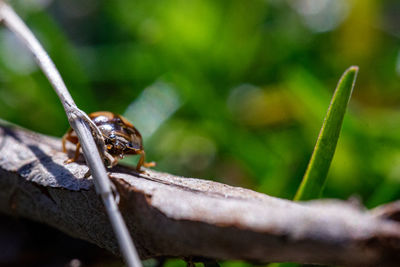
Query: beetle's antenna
x,y
87,132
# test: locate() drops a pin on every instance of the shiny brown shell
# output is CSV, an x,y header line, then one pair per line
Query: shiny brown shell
x,y
120,138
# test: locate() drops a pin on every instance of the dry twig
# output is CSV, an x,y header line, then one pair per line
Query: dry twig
x,y
184,217
87,132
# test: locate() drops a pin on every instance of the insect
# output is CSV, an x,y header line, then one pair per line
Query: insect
x,y
120,138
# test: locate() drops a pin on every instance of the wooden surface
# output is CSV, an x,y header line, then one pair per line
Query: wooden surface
x,y
176,216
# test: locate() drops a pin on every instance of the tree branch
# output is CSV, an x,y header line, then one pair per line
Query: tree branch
x,y
185,217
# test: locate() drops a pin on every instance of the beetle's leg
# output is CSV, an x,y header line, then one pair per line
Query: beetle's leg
x,y
149,164
109,160
142,163
64,140
76,156
114,162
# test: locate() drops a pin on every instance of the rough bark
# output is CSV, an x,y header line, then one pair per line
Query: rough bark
x,y
176,216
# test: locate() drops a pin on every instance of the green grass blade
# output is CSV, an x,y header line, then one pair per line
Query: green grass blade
x,y
317,170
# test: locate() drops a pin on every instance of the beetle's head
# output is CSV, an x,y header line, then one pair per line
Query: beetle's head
x,y
118,145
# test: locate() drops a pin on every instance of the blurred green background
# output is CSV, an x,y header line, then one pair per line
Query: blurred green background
x,y
233,91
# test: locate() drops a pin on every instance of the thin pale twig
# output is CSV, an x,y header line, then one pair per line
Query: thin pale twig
x,y
87,132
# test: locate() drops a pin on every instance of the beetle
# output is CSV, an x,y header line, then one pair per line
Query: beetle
x,y
120,137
